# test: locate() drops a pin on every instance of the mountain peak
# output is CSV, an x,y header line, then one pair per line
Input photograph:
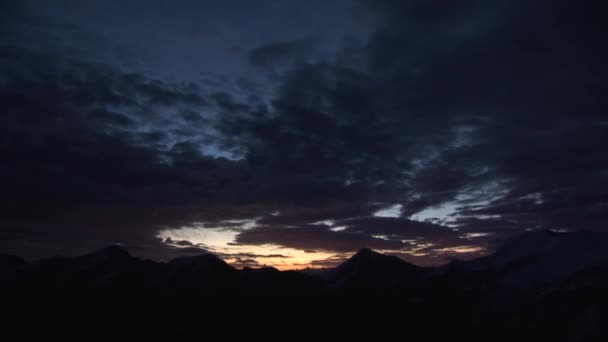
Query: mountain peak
x,y
10,261
112,257
113,252
370,265
366,253
541,257
369,258
202,263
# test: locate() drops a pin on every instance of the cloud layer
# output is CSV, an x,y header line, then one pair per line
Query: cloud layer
x,y
482,119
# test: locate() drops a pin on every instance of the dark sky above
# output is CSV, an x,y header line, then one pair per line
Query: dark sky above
x,y
292,133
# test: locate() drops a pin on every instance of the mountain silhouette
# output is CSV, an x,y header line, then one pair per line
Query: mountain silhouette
x,y
10,262
204,263
538,259
543,284
371,270
111,254
204,272
533,260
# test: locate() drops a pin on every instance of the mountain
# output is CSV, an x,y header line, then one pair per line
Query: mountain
x,y
106,270
539,259
203,263
201,272
532,262
10,262
371,270
111,254
270,281
545,285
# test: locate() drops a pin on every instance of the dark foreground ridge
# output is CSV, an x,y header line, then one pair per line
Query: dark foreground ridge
x,y
542,285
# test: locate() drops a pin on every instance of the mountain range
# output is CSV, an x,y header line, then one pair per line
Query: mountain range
x,y
543,284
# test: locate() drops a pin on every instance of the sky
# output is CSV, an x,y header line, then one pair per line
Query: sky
x,y
293,133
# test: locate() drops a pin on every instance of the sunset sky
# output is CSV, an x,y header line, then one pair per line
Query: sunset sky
x,y
293,133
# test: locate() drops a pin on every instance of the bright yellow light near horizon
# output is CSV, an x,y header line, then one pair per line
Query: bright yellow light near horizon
x,y
461,249
221,240
294,258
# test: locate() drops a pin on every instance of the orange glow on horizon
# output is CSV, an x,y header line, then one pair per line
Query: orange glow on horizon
x,y
222,241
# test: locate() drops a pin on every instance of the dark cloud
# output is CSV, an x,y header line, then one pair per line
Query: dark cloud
x,y
163,94
239,262
183,250
183,243
447,110
493,108
329,262
272,56
318,237
253,255
397,228
302,214
65,142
